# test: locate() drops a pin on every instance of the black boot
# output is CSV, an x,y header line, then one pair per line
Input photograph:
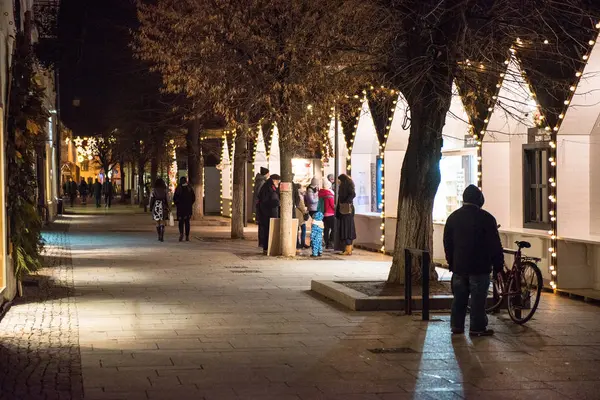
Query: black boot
x,y
162,233
158,232
181,237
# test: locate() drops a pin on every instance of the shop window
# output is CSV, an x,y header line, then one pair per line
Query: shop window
x,y
458,170
379,184
85,165
535,188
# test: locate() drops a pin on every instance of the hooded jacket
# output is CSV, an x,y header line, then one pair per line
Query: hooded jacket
x,y
311,197
328,202
259,181
184,199
268,202
471,239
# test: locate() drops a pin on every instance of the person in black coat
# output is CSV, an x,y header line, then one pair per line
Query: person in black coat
x,y
268,203
97,189
108,190
83,191
345,212
472,245
72,186
184,199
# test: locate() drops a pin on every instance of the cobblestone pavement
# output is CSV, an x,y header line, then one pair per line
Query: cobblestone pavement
x,y
213,319
39,350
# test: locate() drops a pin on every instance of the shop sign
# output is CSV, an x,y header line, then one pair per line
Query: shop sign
x,y
536,135
470,141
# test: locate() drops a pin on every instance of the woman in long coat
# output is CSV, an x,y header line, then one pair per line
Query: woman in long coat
x,y
345,213
159,206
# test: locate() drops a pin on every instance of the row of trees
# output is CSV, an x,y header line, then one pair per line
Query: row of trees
x,y
291,62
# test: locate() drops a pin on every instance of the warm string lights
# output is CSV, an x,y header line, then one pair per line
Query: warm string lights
x,y
172,170
485,117
222,167
382,144
552,160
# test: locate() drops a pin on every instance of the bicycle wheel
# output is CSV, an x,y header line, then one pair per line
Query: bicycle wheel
x,y
522,305
495,290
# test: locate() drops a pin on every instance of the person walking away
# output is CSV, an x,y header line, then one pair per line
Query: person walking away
x,y
97,189
345,213
184,199
311,197
316,235
72,191
159,206
83,192
326,198
108,193
473,247
259,181
268,201
301,214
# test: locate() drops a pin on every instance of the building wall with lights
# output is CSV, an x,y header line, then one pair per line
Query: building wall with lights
x,y
329,162
395,150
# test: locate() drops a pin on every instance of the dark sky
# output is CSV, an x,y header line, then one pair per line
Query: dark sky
x,y
97,66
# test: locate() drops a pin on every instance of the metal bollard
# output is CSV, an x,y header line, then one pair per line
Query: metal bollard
x,y
425,261
407,282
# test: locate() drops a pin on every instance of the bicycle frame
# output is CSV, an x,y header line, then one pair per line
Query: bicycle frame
x,y
512,273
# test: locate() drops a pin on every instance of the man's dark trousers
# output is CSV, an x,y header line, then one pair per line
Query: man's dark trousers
x,y
477,286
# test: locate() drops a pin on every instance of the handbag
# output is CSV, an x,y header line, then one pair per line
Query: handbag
x,y
171,220
345,208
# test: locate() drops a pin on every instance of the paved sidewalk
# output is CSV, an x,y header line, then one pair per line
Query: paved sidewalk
x,y
214,319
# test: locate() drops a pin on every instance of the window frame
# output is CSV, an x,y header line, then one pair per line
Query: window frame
x,y
527,186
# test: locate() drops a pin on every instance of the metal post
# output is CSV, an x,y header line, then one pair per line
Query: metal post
x,y
407,282
425,264
336,173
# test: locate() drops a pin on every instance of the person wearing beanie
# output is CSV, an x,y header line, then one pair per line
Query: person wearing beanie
x,y
259,181
327,207
184,200
473,248
331,180
311,197
268,204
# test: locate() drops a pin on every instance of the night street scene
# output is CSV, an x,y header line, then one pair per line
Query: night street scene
x,y
300,199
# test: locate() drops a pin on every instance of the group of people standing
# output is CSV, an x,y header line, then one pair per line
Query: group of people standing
x,y
315,205
85,190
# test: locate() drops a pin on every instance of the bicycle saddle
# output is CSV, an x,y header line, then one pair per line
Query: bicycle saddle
x,y
523,244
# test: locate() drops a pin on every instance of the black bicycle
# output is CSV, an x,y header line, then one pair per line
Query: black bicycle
x,y
520,285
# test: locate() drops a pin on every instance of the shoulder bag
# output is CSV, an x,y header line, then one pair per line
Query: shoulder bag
x,y
345,208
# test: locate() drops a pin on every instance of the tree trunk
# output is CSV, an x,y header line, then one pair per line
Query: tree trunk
x,y
132,182
195,166
122,175
154,168
240,157
288,248
420,179
141,194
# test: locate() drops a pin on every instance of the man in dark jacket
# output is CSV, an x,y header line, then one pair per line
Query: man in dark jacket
x,y
72,191
108,190
97,189
268,203
184,199
83,191
259,181
473,247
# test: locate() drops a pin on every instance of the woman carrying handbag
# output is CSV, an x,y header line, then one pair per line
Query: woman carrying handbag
x,y
159,206
345,213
